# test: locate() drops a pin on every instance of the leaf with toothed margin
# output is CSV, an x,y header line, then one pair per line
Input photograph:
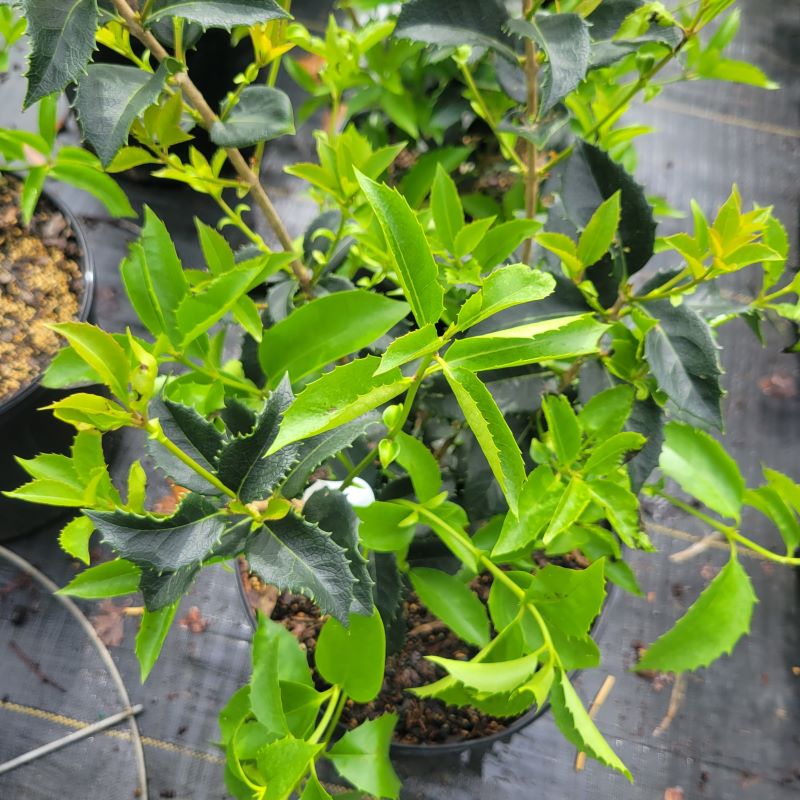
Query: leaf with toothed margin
x,y
163,543
166,588
193,434
241,464
62,41
332,512
108,100
217,13
710,628
297,556
577,726
315,450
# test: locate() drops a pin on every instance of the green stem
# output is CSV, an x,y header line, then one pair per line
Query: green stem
x,y
509,153
153,427
330,710
757,548
242,225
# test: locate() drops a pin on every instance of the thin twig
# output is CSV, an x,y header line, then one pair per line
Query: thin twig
x,y
594,708
208,117
531,152
696,548
34,667
675,700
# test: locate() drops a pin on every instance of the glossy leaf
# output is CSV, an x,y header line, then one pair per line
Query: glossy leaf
x,y
453,602
684,360
605,414
283,763
417,272
448,215
504,288
416,344
599,233
217,13
353,657
338,397
710,628
261,114
362,757
494,677
571,506
74,538
163,543
150,639
62,41
111,579
350,321
700,465
109,98
577,727
418,461
563,427
491,430
297,556
265,690
382,528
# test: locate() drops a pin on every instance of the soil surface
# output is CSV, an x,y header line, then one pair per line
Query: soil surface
x,y
40,283
420,721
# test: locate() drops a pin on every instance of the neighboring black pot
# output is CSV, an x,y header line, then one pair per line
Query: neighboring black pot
x,y
26,431
473,746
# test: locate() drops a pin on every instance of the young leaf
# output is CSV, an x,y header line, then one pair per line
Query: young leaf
x,y
491,430
577,726
773,506
701,467
241,463
199,311
608,455
452,601
448,215
562,425
111,579
571,506
491,677
622,510
314,790
417,272
338,397
382,528
261,114
548,340
504,288
101,352
91,411
502,240
362,757
163,543
684,360
265,690
598,236
353,657
351,320
217,13
283,763
423,469
109,98
62,41
150,639
605,414
74,538
420,342
297,556
710,628
154,279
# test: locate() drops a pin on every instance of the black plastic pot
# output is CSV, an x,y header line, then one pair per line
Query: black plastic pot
x,y
473,746
26,431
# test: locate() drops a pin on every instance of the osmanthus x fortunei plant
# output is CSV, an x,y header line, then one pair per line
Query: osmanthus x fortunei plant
x,y
506,381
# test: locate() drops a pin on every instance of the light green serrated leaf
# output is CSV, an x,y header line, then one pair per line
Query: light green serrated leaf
x,y
417,272
563,428
338,397
701,467
710,628
491,430
111,579
493,677
74,538
599,233
578,728
448,215
217,13
416,344
351,321
150,639
362,757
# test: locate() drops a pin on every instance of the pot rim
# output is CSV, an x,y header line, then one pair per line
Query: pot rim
x,y
483,742
87,267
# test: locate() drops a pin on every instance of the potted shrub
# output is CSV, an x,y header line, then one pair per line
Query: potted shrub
x,y
505,382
